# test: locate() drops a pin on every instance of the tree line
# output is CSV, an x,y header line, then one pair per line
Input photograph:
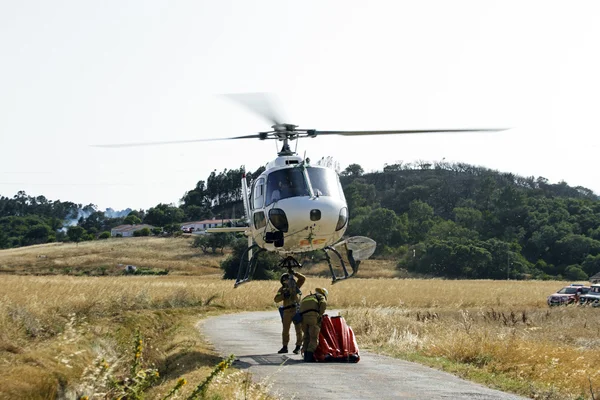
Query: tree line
x,y
436,218
27,220
461,221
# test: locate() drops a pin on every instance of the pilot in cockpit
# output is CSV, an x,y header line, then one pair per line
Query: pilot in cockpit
x,y
283,190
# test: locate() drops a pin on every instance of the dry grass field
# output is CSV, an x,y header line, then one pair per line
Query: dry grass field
x,y
108,257
54,328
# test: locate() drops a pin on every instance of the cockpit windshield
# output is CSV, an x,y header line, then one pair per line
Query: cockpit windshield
x,y
288,182
324,182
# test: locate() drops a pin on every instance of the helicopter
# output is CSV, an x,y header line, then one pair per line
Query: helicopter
x,y
296,206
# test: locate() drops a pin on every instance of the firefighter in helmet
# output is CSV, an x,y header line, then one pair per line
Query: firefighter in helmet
x,y
312,308
290,294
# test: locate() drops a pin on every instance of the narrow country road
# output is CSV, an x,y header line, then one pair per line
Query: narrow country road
x,y
255,337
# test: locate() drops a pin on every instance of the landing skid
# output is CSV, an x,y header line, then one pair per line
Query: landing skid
x,y
247,268
353,264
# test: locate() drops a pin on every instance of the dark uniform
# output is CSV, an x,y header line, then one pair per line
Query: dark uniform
x,y
290,294
312,309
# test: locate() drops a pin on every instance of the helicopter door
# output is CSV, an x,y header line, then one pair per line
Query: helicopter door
x,y
286,183
258,201
258,194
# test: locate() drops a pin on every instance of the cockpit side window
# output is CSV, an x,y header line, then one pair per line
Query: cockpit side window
x,y
258,191
325,182
285,183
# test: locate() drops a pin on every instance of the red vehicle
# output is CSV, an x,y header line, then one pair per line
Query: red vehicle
x,y
567,295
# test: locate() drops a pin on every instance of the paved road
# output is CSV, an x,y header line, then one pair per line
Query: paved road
x,y
255,337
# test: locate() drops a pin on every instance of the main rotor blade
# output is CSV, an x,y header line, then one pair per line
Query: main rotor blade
x,y
406,132
262,104
254,136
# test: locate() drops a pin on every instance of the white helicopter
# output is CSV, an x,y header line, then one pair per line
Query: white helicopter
x,y
296,206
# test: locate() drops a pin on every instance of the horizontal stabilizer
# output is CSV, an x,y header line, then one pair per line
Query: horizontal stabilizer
x,y
244,229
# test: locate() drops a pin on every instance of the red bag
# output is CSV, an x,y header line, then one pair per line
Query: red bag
x,y
336,341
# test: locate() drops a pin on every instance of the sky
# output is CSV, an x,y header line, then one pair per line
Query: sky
x,y
75,74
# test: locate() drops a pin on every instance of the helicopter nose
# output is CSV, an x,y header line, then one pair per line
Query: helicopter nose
x,y
325,212
315,215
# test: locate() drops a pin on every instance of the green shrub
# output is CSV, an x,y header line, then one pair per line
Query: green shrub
x,y
142,232
575,273
266,266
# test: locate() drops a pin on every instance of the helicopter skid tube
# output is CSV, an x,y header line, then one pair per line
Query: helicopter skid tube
x,y
245,274
334,277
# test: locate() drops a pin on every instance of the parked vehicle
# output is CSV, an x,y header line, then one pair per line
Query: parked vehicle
x,y
567,295
592,297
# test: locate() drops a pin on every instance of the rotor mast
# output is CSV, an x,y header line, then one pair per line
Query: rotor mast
x,y
285,133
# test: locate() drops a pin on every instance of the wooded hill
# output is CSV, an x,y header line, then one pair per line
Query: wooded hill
x,y
438,219
458,220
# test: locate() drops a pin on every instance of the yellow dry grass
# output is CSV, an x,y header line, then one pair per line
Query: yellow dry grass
x,y
367,269
501,332
110,255
52,328
498,332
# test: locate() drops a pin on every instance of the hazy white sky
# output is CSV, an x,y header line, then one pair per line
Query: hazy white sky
x,y
77,73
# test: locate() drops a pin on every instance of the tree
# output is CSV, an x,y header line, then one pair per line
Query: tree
x,y
591,265
469,218
384,227
450,258
446,230
214,241
573,249
224,187
142,232
360,194
172,228
94,222
76,233
420,220
575,273
37,234
164,214
266,265
132,220
138,213
197,213
4,241
104,235
353,170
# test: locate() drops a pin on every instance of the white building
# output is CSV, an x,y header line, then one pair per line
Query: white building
x,y
201,226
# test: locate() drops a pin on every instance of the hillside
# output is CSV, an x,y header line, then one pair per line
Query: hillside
x,y
109,257
457,220
435,219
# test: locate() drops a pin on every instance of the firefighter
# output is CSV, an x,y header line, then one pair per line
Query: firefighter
x,y
312,308
290,294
